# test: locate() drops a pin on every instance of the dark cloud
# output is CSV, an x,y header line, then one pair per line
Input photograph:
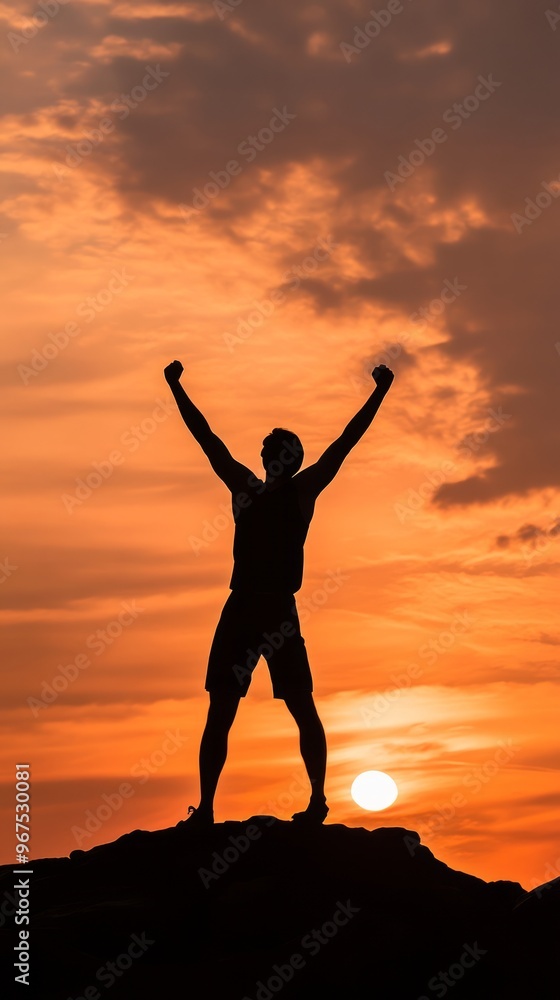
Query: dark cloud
x,y
549,640
530,536
353,121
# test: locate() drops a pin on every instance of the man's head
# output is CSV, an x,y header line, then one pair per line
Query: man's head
x,y
282,452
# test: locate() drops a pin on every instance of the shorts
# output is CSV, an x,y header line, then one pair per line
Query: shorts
x,y
252,625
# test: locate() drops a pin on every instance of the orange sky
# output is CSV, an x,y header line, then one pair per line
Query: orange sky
x,y
435,657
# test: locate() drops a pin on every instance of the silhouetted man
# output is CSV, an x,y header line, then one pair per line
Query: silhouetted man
x,y
272,517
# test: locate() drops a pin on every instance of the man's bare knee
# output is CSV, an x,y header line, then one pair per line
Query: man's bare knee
x,y
301,704
223,704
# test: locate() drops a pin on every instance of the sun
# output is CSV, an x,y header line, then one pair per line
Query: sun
x,y
374,790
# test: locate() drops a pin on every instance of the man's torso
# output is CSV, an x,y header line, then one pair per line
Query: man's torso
x,y
270,532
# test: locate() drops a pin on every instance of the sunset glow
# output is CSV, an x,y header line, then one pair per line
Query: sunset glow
x,y
346,235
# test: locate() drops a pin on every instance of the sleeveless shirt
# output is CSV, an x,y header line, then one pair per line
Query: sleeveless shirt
x,y
268,542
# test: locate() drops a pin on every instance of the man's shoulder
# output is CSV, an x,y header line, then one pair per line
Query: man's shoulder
x,y
246,482
305,479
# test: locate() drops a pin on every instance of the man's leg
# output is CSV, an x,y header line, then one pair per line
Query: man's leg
x,y
313,746
213,747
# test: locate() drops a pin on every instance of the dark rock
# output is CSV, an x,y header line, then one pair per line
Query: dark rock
x,y
369,913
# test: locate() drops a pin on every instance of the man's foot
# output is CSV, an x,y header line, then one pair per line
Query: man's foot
x,y
197,819
315,813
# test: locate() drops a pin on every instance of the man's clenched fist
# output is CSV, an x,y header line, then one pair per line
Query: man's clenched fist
x,y
173,371
383,377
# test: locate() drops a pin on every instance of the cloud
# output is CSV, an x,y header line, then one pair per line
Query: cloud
x,y
530,535
194,123
550,640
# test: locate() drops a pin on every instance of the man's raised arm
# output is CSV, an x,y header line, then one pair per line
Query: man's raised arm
x,y
314,479
233,473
